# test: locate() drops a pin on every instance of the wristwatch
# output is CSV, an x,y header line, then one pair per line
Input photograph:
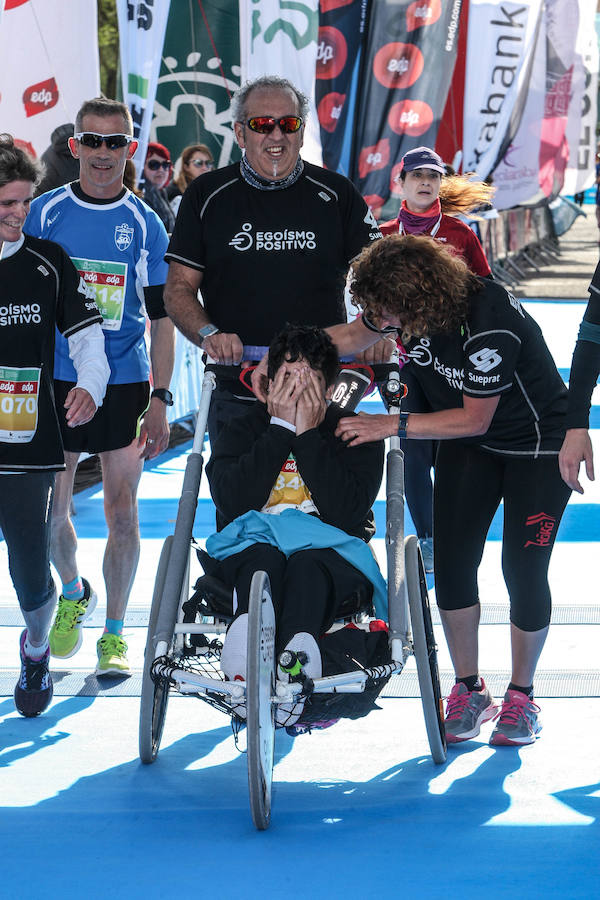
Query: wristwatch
x,y
402,420
207,331
164,395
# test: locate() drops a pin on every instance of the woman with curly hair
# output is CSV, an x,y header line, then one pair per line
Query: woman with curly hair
x,y
499,414
431,201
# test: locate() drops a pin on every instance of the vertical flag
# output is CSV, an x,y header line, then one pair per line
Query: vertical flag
x,y
200,71
38,91
581,127
342,25
279,37
502,37
408,64
141,36
516,176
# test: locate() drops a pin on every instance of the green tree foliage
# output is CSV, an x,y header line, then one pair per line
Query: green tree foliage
x,y
108,45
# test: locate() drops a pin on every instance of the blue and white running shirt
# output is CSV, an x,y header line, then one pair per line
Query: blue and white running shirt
x,y
118,248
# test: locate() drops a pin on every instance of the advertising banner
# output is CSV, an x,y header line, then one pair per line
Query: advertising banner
x,y
342,26
406,71
141,36
280,37
501,40
562,24
581,124
38,89
516,177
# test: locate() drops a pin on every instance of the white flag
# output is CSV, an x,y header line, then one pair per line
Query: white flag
x,y
281,39
581,127
500,41
49,54
142,29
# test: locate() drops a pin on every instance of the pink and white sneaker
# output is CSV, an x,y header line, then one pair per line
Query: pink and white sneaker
x,y
517,722
466,711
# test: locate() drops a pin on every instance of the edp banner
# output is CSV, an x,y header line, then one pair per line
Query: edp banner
x,y
408,64
38,90
342,29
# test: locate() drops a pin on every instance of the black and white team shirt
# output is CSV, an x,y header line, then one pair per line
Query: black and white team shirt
x,y
271,257
40,290
499,350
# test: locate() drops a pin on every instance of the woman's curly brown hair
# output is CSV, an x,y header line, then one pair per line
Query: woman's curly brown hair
x,y
417,281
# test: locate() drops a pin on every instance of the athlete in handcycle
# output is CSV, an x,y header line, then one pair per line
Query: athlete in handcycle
x,y
293,558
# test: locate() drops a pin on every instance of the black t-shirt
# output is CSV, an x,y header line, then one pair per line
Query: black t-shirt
x,y
271,257
498,350
586,360
40,290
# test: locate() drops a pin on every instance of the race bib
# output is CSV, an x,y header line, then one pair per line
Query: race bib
x,y
108,281
19,394
289,491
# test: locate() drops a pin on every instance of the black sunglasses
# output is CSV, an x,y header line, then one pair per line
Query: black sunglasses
x,y
154,165
388,329
93,140
266,124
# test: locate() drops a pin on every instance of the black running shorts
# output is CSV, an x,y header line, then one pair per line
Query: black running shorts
x,y
115,424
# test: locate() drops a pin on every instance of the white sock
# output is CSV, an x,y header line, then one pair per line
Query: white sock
x,y
34,651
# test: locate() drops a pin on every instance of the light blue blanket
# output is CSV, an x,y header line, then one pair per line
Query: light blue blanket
x,y
292,531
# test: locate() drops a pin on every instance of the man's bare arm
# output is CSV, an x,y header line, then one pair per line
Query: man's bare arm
x,y
188,314
182,303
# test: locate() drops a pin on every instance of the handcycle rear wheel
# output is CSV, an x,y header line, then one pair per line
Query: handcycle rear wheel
x,y
260,687
155,695
425,650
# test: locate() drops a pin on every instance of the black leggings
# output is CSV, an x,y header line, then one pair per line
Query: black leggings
x,y
469,485
25,514
307,588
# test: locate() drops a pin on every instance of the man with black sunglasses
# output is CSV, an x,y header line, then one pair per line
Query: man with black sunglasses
x,y
117,244
268,240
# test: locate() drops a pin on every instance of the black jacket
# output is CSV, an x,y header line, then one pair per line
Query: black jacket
x,y
343,481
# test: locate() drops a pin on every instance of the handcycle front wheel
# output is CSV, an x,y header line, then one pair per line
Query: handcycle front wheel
x,y
155,695
260,688
425,650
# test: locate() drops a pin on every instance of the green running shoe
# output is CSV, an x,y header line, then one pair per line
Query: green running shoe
x,y
112,655
66,633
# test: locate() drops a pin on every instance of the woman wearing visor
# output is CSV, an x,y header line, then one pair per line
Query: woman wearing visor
x,y
499,408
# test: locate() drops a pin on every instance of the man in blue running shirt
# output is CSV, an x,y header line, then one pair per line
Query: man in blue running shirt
x,y
117,244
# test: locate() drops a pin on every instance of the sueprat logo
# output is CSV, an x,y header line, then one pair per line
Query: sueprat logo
x,y
485,359
123,236
243,239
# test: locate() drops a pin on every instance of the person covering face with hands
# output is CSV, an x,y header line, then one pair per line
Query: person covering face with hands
x,y
283,460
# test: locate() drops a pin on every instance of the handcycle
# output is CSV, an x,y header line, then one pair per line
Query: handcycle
x,y
183,642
